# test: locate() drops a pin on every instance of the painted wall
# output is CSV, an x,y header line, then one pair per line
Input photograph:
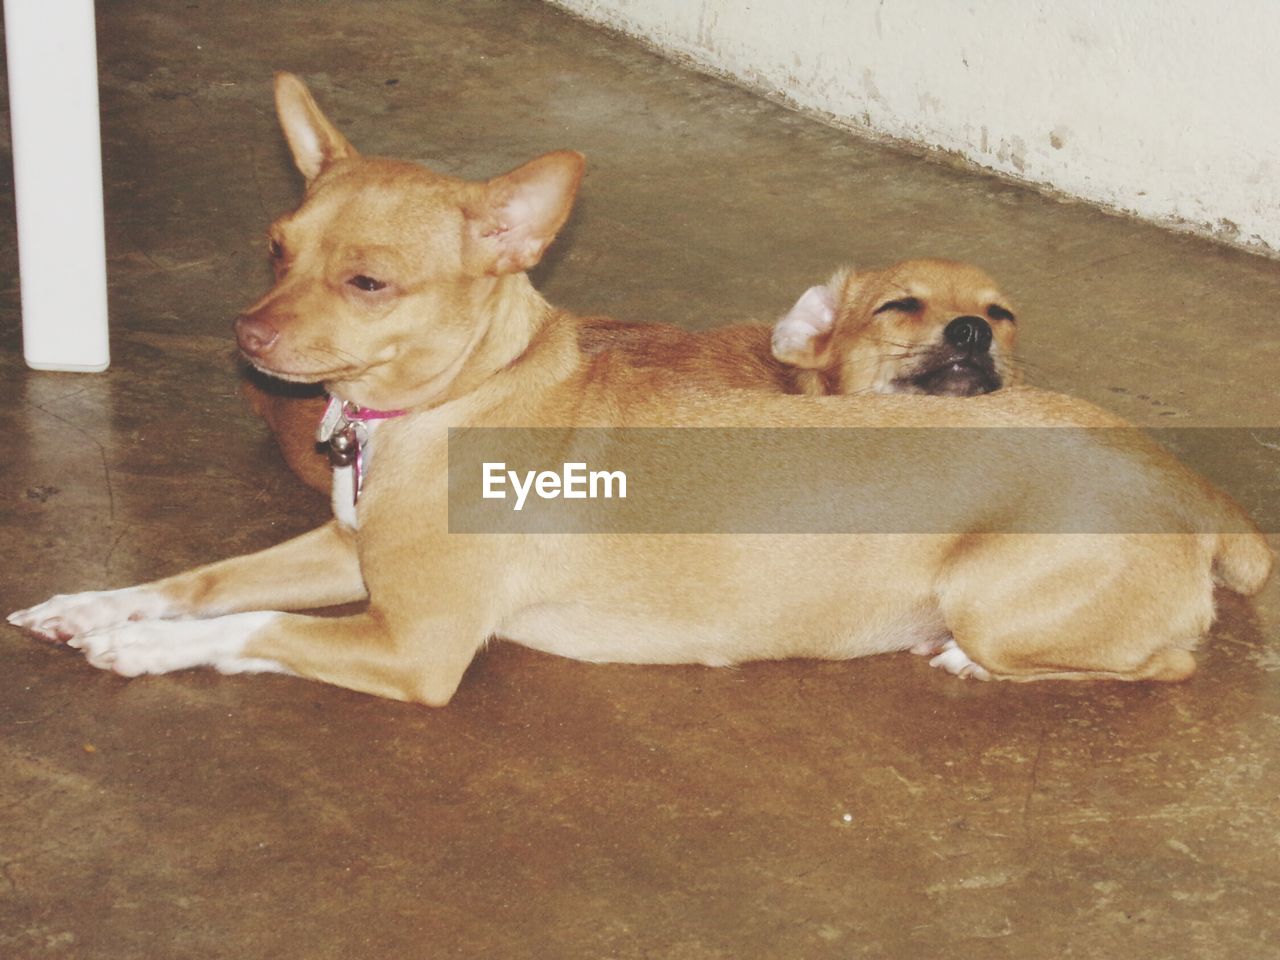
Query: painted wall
x,y
1169,109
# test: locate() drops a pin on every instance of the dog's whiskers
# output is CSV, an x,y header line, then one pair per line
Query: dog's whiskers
x,y
897,344
1021,363
328,352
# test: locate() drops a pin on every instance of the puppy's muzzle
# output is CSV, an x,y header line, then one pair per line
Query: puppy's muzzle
x,y
960,366
254,336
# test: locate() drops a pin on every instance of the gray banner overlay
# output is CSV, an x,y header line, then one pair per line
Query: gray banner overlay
x,y
839,481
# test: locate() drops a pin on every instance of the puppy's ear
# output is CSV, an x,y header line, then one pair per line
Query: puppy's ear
x,y
313,140
520,212
803,337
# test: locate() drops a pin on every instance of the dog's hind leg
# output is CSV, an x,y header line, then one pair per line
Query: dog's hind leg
x,y
1077,606
317,569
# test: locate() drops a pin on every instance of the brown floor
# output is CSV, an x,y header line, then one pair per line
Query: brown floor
x,y
555,809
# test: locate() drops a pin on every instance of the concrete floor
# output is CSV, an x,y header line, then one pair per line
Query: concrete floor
x,y
556,809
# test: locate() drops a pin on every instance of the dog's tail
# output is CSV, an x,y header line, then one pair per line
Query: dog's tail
x,y
1242,562
1242,559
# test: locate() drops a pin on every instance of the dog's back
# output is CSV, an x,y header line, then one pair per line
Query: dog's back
x,y
735,357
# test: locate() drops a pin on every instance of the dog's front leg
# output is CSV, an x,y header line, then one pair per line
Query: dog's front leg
x,y
317,569
163,646
421,661
418,658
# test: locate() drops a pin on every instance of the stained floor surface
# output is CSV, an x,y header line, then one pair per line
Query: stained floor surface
x,y
556,809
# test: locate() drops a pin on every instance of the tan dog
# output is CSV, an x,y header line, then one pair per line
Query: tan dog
x,y
920,326
404,290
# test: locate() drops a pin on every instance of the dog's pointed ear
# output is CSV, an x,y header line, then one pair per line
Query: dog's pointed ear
x,y
802,338
520,213
313,140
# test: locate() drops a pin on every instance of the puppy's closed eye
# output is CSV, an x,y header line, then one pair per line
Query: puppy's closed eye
x,y
903,305
997,312
366,283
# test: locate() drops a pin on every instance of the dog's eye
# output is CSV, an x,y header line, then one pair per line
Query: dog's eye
x,y
997,312
905,305
367,284
274,250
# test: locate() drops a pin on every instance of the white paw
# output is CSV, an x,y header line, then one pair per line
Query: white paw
x,y
955,661
162,646
71,615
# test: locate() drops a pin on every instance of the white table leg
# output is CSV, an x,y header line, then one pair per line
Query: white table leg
x,y
57,172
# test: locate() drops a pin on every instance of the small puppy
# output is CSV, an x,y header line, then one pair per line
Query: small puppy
x,y
406,294
926,326
933,327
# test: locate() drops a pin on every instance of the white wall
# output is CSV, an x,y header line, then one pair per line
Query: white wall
x,y
1169,109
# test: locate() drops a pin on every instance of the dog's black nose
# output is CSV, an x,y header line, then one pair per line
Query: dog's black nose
x,y
972,334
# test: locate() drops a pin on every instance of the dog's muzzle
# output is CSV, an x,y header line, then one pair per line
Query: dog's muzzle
x,y
960,366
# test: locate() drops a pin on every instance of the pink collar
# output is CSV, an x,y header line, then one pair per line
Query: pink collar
x,y
342,428
341,412
353,411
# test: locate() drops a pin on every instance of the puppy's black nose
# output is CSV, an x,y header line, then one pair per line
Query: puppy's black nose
x,y
971,334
